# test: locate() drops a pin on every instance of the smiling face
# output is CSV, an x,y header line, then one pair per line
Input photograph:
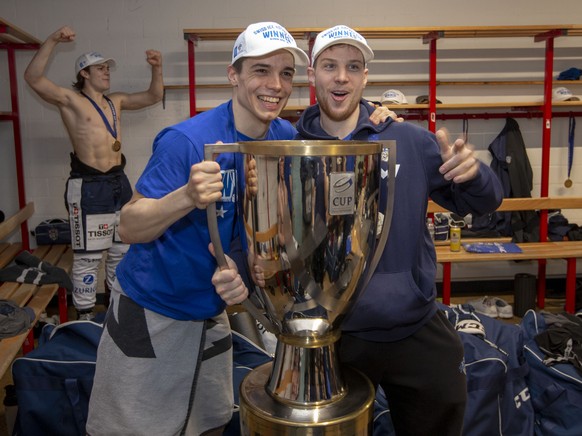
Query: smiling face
x,y
339,76
261,90
97,76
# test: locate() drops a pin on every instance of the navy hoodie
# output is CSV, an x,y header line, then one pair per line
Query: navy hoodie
x,y
400,297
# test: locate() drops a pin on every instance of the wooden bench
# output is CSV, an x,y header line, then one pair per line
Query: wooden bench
x,y
541,251
27,294
9,250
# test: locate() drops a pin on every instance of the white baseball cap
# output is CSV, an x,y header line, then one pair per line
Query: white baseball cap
x,y
563,94
263,38
340,35
91,58
393,96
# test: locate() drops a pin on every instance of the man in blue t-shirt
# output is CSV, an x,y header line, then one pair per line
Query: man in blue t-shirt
x,y
394,333
164,364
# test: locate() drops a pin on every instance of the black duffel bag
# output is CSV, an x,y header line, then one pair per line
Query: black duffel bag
x,y
53,231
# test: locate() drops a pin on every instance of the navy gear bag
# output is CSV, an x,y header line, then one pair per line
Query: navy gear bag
x,y
556,390
498,398
53,382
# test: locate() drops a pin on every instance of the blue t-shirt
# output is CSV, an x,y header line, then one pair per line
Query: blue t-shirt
x,y
172,274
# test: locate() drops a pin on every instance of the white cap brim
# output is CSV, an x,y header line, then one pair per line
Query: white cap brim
x,y
299,55
366,51
109,61
565,98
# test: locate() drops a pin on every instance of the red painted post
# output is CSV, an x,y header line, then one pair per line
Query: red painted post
x,y
17,144
63,311
312,99
432,87
431,38
548,37
446,283
571,285
28,344
192,74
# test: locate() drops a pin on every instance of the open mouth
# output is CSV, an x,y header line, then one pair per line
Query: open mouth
x,y
267,99
339,95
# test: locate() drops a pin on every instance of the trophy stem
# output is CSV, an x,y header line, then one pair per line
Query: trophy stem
x,y
306,368
261,414
305,391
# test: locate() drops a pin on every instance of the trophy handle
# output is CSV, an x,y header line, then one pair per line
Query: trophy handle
x,y
390,146
209,151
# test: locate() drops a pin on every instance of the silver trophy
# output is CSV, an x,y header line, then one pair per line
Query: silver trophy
x,y
315,218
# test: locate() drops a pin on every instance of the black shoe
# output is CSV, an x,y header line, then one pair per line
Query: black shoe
x,y
85,315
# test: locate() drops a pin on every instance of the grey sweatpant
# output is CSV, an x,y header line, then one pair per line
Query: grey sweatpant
x,y
153,377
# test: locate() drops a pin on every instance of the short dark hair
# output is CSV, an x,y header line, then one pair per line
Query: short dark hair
x,y
80,83
238,65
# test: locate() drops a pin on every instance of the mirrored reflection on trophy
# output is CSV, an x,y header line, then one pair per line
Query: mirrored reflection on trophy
x,y
316,220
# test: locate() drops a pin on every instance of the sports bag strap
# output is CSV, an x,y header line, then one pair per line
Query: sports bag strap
x,y
494,383
72,390
518,373
548,396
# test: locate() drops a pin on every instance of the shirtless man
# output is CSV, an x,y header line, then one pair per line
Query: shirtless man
x,y
97,187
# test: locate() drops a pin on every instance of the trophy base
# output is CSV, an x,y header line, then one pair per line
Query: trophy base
x,y
261,414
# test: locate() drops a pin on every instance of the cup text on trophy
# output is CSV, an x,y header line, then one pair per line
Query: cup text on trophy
x,y
342,193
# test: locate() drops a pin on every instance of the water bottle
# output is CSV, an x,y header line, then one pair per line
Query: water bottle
x,y
430,225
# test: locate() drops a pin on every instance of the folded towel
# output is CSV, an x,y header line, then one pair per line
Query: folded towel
x,y
492,247
30,269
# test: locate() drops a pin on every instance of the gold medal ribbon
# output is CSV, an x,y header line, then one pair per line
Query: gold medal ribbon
x,y
113,130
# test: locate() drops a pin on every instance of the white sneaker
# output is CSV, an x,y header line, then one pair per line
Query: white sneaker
x,y
504,310
485,306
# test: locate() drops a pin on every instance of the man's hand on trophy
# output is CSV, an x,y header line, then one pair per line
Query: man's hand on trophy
x,y
459,162
205,184
258,275
228,282
252,180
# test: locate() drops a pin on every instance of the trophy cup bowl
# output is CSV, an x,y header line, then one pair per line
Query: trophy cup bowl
x,y
316,219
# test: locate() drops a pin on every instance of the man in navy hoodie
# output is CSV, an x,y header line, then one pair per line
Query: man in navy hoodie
x,y
395,334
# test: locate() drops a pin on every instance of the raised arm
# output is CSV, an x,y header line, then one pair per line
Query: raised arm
x,y
145,219
154,93
35,72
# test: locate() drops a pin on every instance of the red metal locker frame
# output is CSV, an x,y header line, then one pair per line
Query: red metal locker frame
x,y
10,42
311,37
192,41
14,117
431,38
548,37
